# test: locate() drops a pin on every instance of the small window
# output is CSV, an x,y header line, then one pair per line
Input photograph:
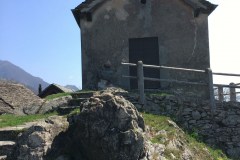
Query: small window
x,y
143,1
89,16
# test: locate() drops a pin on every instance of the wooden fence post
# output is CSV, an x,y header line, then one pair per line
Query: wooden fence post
x,y
233,96
220,93
140,76
211,92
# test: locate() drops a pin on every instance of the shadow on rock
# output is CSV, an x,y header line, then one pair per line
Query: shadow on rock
x,y
108,128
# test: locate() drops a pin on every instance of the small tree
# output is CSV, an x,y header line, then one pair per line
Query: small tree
x,y
39,88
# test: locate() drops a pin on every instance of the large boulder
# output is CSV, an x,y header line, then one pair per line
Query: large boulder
x,y
14,98
34,143
47,106
5,107
19,100
109,128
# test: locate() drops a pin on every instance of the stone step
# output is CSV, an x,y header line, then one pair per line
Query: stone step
x,y
86,94
3,157
77,101
66,110
10,133
6,148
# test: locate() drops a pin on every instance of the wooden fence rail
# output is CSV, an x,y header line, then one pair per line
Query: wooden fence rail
x,y
232,87
140,77
232,91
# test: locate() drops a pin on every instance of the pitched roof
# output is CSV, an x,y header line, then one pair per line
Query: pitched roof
x,y
53,89
85,9
88,6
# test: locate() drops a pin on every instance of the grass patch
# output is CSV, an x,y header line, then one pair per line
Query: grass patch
x,y
8,120
158,122
58,95
73,112
53,96
217,154
191,141
196,144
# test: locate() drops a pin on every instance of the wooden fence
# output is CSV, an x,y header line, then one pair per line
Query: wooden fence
x,y
140,77
232,87
231,92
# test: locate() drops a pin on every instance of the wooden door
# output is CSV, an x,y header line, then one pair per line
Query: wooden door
x,y
146,50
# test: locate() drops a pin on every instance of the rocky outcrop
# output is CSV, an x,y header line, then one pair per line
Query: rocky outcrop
x,y
219,129
48,106
110,127
5,107
169,146
15,97
34,143
107,128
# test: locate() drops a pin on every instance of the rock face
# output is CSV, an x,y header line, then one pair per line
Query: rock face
x,y
48,106
17,99
34,143
5,107
109,128
13,97
194,114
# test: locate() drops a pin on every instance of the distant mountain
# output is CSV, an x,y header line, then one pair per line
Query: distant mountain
x,y
11,72
72,87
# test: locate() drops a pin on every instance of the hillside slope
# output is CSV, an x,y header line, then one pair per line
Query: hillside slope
x,y
171,142
164,139
11,72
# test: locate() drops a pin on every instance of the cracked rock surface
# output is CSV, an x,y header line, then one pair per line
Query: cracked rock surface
x,y
15,97
34,143
111,128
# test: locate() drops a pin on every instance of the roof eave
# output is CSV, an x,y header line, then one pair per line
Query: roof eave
x,y
213,8
76,15
204,7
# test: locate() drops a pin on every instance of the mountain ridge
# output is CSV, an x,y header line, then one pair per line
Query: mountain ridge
x,y
72,87
14,73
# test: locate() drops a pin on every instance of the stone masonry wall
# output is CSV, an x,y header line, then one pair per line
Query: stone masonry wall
x,y
221,130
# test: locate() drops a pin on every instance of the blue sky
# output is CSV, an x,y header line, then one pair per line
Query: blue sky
x,y
224,31
42,37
